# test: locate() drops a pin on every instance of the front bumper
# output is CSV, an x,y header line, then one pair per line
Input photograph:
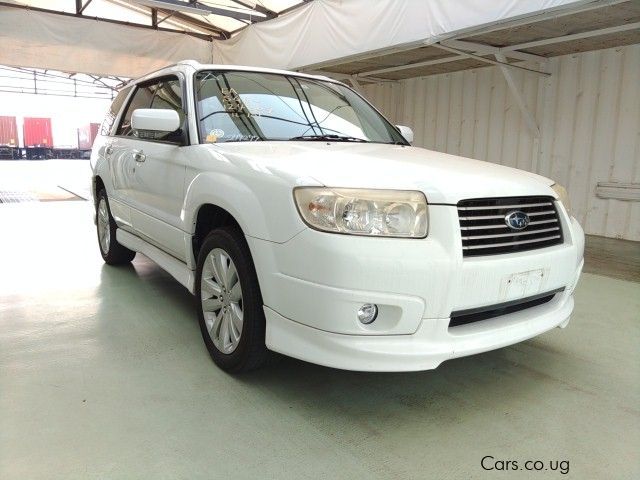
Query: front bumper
x,y
431,345
313,285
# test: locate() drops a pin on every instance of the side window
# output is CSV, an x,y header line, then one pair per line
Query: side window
x,y
163,94
168,95
114,109
141,99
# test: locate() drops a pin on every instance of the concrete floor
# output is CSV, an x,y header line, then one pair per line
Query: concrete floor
x,y
103,374
46,179
612,257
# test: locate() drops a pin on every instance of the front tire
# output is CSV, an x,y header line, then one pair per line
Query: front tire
x,y
229,302
112,252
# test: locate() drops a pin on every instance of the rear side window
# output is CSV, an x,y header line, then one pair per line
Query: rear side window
x,y
114,109
163,94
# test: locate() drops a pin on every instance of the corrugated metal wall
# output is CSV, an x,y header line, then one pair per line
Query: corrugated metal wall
x,y
588,111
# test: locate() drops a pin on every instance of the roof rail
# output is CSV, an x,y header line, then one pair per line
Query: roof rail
x,y
191,63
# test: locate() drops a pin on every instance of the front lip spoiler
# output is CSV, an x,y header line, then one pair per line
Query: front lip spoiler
x,y
498,309
431,345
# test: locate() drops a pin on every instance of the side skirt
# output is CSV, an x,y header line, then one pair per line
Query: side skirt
x,y
171,265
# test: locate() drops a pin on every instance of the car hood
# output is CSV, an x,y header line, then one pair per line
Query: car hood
x,y
442,177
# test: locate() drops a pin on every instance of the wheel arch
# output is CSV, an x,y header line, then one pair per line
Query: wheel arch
x,y
98,184
208,217
224,193
262,207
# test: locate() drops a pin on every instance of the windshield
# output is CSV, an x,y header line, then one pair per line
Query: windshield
x,y
235,106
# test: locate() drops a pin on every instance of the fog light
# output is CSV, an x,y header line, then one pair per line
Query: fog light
x,y
367,313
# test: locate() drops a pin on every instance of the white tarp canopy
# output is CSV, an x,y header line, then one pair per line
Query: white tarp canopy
x,y
44,40
319,31
121,37
325,30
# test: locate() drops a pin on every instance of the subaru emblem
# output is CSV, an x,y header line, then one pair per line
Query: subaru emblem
x,y
516,220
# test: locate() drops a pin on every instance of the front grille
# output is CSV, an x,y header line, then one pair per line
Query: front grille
x,y
485,231
464,317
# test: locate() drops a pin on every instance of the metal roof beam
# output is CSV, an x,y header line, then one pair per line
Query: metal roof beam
x,y
195,22
282,12
205,9
182,18
99,80
80,7
166,17
257,8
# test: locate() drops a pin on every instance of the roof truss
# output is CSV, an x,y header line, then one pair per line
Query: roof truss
x,y
50,82
110,20
81,5
176,5
245,12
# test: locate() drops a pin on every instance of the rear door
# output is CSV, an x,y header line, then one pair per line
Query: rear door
x,y
105,152
152,167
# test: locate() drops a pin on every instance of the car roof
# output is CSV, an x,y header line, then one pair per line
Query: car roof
x,y
197,66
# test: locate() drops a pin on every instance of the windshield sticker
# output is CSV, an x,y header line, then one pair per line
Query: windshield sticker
x,y
214,135
239,137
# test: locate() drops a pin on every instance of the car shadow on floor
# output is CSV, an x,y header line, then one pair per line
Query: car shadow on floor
x,y
453,386
485,382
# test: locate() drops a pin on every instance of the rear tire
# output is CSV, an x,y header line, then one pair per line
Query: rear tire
x,y
229,302
112,252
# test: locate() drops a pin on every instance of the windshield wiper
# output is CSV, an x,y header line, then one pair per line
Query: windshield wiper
x,y
329,137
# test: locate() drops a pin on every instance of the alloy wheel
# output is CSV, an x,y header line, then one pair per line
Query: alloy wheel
x,y
104,232
221,296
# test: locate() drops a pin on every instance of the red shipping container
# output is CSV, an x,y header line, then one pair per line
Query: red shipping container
x,y
8,132
86,135
94,131
37,132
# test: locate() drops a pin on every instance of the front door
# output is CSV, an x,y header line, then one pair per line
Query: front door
x,y
153,167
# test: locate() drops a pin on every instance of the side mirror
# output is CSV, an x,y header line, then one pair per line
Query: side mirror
x,y
155,120
406,132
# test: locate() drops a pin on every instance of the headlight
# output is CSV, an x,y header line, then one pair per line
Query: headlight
x,y
563,196
384,213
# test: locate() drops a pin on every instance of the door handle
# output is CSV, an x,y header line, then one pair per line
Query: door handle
x,y
139,156
109,150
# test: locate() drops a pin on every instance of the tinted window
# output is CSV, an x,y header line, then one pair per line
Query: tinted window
x,y
165,94
246,106
116,105
141,99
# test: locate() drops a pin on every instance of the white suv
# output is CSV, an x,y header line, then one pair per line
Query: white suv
x,y
306,224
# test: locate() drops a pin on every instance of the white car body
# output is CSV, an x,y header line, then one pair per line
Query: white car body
x,y
314,282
